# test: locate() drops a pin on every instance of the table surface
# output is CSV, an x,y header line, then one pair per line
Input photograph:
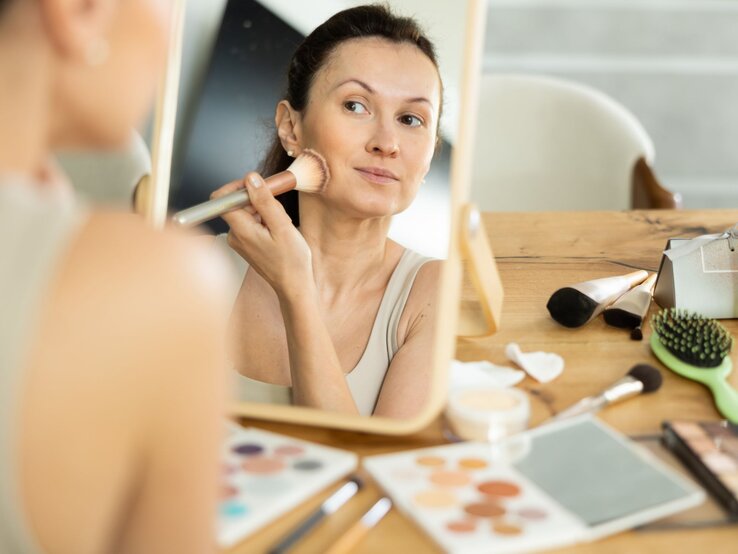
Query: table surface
x,y
537,253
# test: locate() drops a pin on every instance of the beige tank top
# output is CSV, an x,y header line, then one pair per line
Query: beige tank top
x,y
366,378
36,225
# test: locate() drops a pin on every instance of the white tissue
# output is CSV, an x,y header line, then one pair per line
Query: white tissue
x,y
483,373
542,366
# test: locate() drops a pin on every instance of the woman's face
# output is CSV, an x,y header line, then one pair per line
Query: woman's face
x,y
373,113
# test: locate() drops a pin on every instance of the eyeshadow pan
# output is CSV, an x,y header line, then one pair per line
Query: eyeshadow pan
x,y
504,528
499,488
719,462
731,481
532,514
430,461
472,463
228,491
308,465
262,464
465,526
730,446
435,498
484,509
689,430
702,446
233,509
718,429
450,478
289,450
248,449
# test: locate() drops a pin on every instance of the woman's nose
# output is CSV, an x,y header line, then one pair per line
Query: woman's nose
x,y
383,141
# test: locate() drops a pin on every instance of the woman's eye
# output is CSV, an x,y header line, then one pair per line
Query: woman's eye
x,y
355,107
411,120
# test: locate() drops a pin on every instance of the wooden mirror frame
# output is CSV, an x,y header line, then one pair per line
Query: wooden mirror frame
x,y
151,200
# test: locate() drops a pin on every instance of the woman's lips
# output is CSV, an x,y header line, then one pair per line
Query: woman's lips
x,y
377,175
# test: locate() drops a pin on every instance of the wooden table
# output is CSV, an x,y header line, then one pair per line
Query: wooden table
x,y
538,253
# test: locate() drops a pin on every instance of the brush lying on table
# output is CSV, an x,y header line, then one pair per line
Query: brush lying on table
x,y
641,378
576,305
630,310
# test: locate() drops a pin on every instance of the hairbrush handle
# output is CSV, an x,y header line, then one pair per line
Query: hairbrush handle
x,y
278,183
726,399
725,396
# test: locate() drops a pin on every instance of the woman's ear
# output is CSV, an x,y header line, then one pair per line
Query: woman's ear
x,y
289,128
78,27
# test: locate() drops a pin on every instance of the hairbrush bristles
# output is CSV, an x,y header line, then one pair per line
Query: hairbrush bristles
x,y
694,339
311,172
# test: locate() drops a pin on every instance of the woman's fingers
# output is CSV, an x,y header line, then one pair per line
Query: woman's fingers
x,y
271,211
229,188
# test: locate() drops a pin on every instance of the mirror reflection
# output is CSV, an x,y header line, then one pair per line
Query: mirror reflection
x,y
336,304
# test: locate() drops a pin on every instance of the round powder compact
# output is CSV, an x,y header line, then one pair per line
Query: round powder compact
x,y
487,413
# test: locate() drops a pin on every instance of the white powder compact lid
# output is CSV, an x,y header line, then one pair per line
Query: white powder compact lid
x,y
488,413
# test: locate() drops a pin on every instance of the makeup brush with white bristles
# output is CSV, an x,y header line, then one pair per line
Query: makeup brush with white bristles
x,y
308,173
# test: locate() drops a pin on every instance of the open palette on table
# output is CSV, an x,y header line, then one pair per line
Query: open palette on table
x,y
562,483
266,474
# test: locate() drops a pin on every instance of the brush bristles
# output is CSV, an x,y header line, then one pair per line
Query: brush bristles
x,y
692,338
311,172
648,375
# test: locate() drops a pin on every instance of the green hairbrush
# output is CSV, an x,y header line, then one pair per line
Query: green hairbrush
x,y
697,348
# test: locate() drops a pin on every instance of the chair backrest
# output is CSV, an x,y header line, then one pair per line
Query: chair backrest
x,y
548,144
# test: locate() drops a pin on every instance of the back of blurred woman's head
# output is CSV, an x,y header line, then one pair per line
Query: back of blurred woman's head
x,y
97,62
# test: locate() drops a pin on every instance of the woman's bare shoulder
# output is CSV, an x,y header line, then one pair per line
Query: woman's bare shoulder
x,y
124,273
132,328
426,281
115,240
421,303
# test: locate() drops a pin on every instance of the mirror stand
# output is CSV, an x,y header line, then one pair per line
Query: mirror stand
x,y
480,262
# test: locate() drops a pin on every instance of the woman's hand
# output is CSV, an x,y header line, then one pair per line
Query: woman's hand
x,y
265,237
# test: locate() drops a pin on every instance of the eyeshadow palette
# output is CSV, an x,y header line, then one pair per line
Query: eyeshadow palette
x,y
567,482
266,474
710,450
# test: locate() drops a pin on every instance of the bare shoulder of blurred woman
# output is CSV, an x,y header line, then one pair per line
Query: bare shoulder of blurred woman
x,y
125,387
112,441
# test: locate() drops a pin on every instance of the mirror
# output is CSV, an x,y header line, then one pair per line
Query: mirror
x,y
225,134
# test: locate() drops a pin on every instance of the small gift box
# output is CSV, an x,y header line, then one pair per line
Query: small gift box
x,y
701,275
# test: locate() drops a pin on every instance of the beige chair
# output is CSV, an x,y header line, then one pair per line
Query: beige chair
x,y
548,144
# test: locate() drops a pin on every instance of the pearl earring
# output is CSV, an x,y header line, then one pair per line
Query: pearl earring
x,y
290,153
97,52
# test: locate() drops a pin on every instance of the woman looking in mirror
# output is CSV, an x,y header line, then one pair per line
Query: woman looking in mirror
x,y
100,314
334,309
